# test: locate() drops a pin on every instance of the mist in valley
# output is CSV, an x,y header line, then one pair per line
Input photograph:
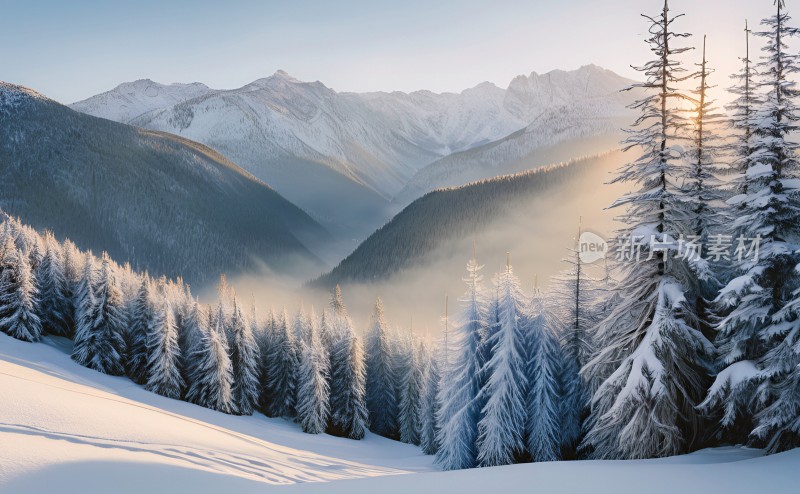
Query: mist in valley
x,y
536,236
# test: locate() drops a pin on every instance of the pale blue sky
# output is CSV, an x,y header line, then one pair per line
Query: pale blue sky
x,y
72,50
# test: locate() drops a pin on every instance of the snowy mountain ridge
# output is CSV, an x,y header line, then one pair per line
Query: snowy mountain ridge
x,y
344,157
132,99
307,140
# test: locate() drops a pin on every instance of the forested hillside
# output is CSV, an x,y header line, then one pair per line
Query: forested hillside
x,y
161,202
446,215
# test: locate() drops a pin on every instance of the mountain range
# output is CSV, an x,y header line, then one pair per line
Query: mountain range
x,y
344,157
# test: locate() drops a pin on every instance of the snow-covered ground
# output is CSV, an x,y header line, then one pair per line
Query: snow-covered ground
x,y
67,429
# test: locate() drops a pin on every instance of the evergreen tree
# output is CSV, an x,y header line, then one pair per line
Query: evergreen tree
x,y
349,416
652,360
163,354
195,325
501,430
19,301
244,358
702,191
211,373
573,303
54,305
72,275
140,320
459,395
429,406
99,340
757,335
281,370
742,113
312,381
381,378
410,381
265,344
543,435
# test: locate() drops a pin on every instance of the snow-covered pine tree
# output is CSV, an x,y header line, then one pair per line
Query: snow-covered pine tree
x,y
741,112
410,389
312,380
543,434
652,359
163,354
54,299
348,404
265,343
573,301
244,358
429,406
211,373
757,335
83,298
501,430
73,261
195,325
281,370
19,302
702,189
381,378
99,340
459,395
139,321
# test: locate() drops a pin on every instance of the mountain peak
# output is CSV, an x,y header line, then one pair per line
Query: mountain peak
x,y
13,95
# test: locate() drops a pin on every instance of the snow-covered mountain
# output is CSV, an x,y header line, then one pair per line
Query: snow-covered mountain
x,y
162,202
317,146
131,99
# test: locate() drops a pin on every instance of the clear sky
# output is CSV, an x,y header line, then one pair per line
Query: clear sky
x,y
70,50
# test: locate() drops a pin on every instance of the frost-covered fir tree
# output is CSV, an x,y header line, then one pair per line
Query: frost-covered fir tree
x,y
410,383
381,378
574,302
501,430
459,395
83,298
757,338
702,189
19,303
543,434
651,359
312,380
99,335
741,112
266,340
244,359
211,373
429,404
139,321
281,370
163,354
195,325
348,404
54,296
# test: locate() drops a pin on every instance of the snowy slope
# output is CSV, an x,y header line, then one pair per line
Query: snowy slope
x,y
131,99
85,432
723,470
72,429
312,143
